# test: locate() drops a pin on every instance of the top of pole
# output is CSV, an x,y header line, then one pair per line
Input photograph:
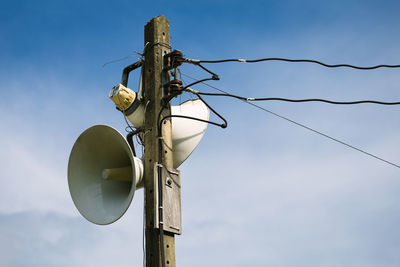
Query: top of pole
x,y
157,32
159,18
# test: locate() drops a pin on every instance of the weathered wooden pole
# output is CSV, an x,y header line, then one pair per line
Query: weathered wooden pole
x,y
157,44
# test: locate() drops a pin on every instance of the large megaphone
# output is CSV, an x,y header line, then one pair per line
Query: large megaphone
x,y
103,173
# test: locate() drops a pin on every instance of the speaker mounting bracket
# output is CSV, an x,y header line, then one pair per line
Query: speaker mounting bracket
x,y
171,196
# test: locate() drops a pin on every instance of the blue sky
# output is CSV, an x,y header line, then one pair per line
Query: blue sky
x,y
262,192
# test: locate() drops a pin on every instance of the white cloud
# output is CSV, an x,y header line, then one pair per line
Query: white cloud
x,y
39,129
39,239
241,208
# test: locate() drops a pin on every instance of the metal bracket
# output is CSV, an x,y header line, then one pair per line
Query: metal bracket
x,y
171,192
127,70
165,77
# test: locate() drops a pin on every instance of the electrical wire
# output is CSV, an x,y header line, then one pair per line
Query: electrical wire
x,y
192,118
196,62
304,126
214,77
223,125
196,82
299,100
159,122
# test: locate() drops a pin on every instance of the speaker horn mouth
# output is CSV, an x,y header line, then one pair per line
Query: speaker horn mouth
x,y
103,174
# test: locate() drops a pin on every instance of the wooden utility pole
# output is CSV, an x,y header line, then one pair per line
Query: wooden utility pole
x,y
156,38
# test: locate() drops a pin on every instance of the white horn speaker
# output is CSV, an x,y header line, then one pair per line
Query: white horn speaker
x,y
187,133
103,174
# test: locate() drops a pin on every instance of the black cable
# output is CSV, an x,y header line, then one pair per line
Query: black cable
x,y
304,126
215,76
196,62
223,125
196,82
129,138
193,118
159,123
302,100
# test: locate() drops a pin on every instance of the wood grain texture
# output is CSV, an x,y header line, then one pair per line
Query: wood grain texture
x,y
157,37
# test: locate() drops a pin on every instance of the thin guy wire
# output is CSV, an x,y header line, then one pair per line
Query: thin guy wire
x,y
117,60
196,61
304,126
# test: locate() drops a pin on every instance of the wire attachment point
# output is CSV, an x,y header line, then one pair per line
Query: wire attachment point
x,y
173,87
215,77
192,61
173,60
190,90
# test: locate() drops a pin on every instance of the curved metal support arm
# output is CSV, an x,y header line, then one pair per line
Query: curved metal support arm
x,y
127,70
